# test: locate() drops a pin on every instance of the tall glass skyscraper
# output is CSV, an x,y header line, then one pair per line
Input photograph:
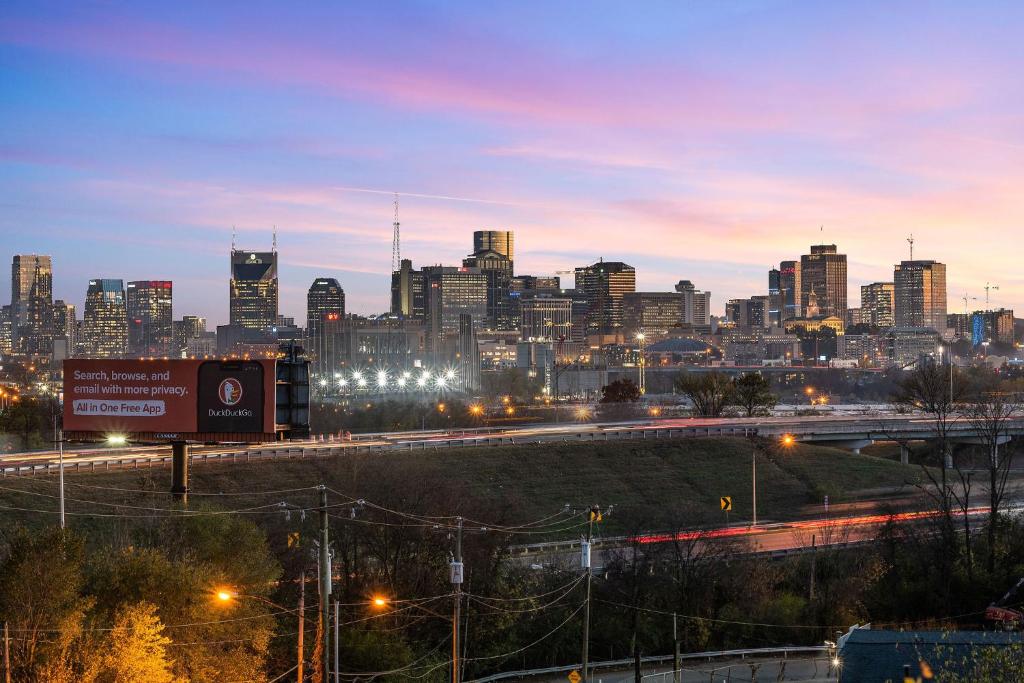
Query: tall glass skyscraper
x,y
150,321
32,304
920,294
105,324
254,292
500,241
823,282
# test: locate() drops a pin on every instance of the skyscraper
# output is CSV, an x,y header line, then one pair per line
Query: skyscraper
x,y
32,304
253,302
823,275
150,319
653,313
920,294
877,303
105,325
500,241
497,268
789,289
546,317
603,284
324,298
408,293
775,304
452,292
6,316
65,325
696,305
185,330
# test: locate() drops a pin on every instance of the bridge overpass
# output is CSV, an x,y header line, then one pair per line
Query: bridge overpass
x,y
852,432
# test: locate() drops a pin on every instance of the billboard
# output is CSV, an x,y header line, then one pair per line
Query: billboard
x,y
170,400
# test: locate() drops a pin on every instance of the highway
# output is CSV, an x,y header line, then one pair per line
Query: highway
x,y
773,539
833,427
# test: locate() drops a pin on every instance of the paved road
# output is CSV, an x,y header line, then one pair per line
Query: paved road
x,y
654,428
794,669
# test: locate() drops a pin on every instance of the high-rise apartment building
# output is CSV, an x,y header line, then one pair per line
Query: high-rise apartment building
x,y
604,284
920,295
150,319
32,304
823,281
254,290
105,325
789,289
877,303
696,305
500,241
497,268
325,301
408,293
654,314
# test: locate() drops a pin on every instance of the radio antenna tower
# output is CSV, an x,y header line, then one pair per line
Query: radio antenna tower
x,y
910,241
396,246
275,240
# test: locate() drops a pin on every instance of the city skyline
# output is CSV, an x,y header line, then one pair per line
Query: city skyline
x,y
723,135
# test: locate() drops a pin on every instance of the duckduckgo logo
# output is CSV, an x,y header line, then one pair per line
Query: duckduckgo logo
x,y
230,391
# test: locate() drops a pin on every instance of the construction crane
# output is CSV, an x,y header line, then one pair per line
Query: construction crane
x,y
966,299
988,287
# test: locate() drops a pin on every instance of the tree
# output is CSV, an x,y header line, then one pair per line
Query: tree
x,y
709,392
753,393
620,391
938,391
989,415
40,583
135,649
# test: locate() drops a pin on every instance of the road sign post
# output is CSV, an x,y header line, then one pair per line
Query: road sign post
x,y
725,502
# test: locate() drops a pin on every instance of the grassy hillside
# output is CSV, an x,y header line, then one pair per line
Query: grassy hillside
x,y
653,484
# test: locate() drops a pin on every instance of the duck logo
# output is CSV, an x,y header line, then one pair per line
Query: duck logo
x,y
230,391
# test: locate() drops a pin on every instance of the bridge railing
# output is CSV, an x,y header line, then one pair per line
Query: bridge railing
x,y
783,652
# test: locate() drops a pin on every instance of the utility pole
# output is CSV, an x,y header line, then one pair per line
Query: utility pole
x,y
325,585
337,632
302,624
456,578
677,673
585,560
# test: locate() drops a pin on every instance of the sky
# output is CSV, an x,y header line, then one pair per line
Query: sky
x,y
693,140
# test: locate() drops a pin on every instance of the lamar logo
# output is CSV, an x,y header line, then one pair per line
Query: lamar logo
x,y
230,391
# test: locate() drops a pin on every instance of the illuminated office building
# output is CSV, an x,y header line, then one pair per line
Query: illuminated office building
x,y
105,323
823,281
32,304
920,295
150,321
604,284
254,290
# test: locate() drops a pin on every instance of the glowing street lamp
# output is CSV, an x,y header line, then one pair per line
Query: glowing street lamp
x,y
117,440
382,379
641,337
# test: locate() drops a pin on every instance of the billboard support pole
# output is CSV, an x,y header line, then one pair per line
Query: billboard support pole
x,y
179,471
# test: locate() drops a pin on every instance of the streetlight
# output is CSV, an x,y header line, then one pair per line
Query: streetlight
x,y
117,440
640,337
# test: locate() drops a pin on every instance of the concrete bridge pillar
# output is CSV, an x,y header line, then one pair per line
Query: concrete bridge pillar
x,y
904,454
852,445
